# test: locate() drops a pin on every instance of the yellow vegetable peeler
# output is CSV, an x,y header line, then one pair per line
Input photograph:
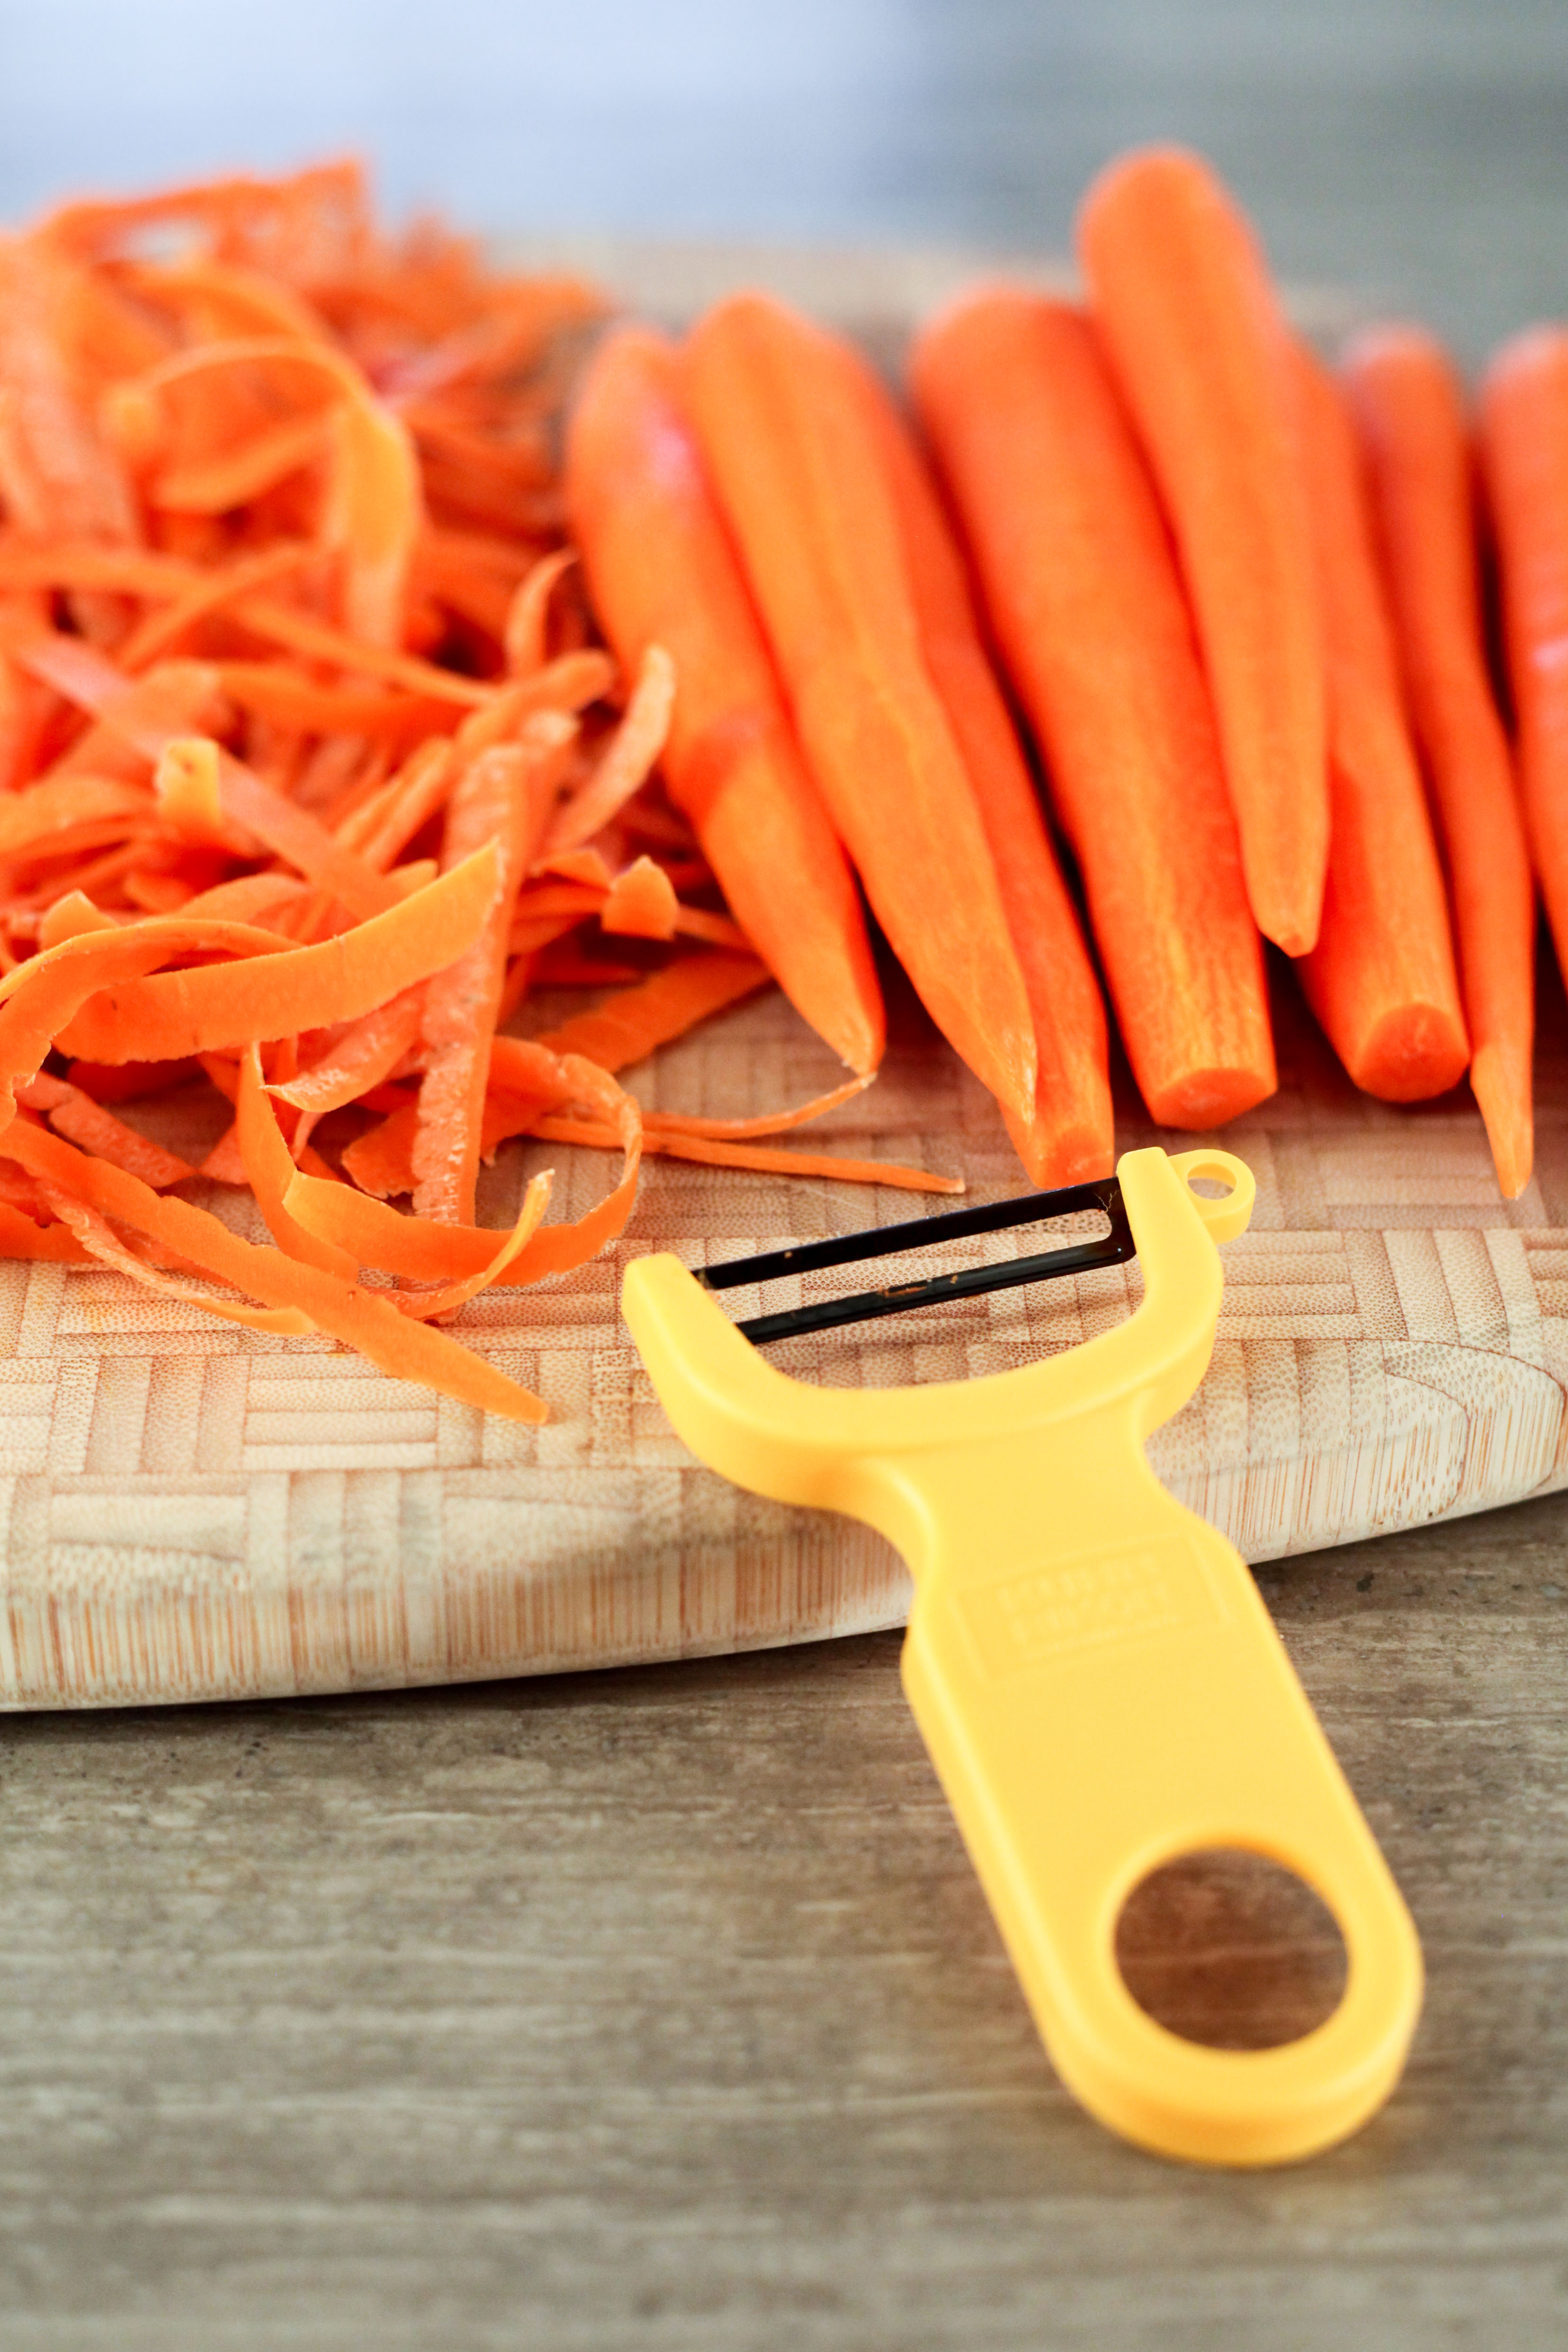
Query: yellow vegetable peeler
x,y
1100,1685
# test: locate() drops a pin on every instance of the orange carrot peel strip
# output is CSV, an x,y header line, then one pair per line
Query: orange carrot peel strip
x,y
168,1014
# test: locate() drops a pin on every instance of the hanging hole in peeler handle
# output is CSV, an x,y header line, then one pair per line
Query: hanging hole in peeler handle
x,y
1231,1950
1221,1187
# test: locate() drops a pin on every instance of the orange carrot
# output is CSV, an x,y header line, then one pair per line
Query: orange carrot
x,y
1181,294
1381,979
1409,411
1087,612
1524,447
661,570
1069,1136
795,468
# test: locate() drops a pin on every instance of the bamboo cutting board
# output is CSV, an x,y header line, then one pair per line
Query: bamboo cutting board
x,y
191,1511
194,1511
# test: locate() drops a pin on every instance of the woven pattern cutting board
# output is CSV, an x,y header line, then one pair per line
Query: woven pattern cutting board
x,y
190,1510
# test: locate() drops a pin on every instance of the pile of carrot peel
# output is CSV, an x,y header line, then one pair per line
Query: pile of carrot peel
x,y
313,773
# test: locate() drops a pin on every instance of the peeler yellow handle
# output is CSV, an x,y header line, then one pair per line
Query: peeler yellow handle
x,y
1098,1684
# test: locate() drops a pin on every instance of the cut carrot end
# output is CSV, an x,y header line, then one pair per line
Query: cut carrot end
x,y
1201,1099
1410,1056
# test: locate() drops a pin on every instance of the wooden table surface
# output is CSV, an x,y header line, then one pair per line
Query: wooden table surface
x,y
660,2008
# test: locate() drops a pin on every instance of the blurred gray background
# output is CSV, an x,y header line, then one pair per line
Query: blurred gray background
x,y
1415,151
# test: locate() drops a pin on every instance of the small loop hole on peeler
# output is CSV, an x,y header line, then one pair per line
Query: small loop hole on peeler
x,y
1231,1951
1216,1183
1220,1188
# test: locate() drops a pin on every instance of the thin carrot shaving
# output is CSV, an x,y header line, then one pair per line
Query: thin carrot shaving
x,y
213,485
659,1009
129,1080
524,634
206,596
269,1171
743,1131
188,784
503,800
365,1053
666,1143
401,1346
96,1239
177,1013
628,764
21,1236
40,811
81,1120
640,903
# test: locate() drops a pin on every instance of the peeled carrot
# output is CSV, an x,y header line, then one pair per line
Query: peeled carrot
x,y
1089,614
1069,1137
1524,442
1381,979
797,472
1409,413
1181,294
662,570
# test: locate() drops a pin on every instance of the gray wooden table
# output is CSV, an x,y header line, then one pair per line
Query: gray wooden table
x,y
661,2009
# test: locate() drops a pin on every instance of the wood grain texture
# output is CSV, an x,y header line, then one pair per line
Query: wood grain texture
x,y
660,2011
189,1510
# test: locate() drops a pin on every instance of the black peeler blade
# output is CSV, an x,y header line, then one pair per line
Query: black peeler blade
x,y
1114,1248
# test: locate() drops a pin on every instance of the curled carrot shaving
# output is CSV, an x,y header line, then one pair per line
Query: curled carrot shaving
x,y
659,1009
366,1052
640,903
405,1348
75,1115
269,1171
524,636
625,767
666,1142
172,1013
